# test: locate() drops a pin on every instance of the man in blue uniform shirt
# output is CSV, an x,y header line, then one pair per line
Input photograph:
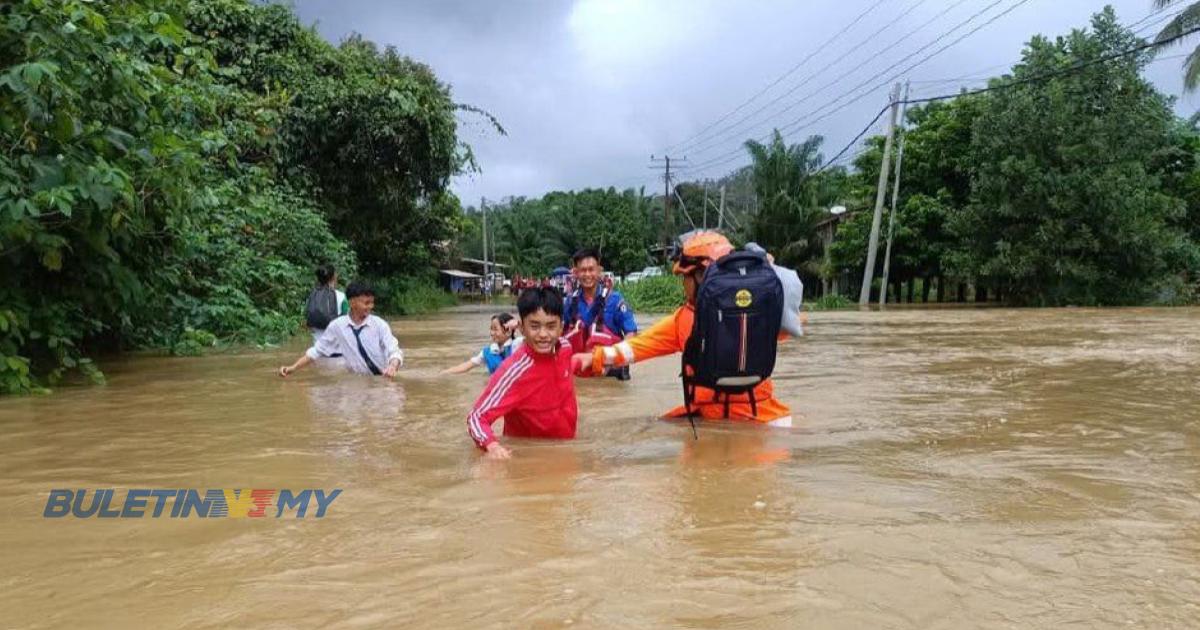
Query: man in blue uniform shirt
x,y
594,314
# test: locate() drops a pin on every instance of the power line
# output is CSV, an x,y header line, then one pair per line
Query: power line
x,y
795,124
781,77
1056,73
701,168
1162,20
856,138
702,146
940,96
1011,84
984,74
1015,83
683,206
931,55
724,136
1151,14
835,159
971,75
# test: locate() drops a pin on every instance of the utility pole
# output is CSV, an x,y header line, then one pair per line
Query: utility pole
x,y
721,212
864,295
887,256
667,223
483,208
706,205
667,203
494,241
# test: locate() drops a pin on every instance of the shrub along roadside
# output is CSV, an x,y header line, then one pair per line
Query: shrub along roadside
x,y
155,191
830,302
661,294
656,294
406,295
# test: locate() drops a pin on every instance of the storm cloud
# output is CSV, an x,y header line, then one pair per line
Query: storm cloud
x,y
588,90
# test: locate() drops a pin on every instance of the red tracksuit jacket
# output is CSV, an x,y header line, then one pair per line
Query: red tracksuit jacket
x,y
533,392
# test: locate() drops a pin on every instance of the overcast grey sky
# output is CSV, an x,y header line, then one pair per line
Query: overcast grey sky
x,y
589,89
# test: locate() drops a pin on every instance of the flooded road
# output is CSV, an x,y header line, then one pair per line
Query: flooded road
x,y
948,469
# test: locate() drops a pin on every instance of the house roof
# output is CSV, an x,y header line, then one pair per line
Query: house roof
x,y
490,263
455,273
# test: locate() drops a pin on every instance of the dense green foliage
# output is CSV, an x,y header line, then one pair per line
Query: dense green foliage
x,y
656,294
371,132
409,295
174,170
534,236
792,199
1074,210
830,302
1075,189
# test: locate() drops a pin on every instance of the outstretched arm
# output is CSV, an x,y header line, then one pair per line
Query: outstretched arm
x,y
660,340
325,345
464,367
301,362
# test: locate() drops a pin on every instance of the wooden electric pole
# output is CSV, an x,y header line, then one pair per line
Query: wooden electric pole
x,y
864,295
667,234
667,203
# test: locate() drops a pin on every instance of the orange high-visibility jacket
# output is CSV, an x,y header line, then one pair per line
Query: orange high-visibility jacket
x,y
668,336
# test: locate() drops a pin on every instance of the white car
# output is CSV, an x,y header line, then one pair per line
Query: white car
x,y
633,277
652,272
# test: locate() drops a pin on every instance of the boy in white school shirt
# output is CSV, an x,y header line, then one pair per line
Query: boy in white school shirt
x,y
365,341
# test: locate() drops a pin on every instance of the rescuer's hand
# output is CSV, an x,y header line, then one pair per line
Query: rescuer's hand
x,y
581,364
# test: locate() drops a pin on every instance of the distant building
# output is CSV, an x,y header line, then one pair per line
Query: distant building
x,y
459,282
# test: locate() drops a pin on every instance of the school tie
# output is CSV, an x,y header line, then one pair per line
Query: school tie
x,y
363,351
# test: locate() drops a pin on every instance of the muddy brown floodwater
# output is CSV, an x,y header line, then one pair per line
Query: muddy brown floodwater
x,y
950,469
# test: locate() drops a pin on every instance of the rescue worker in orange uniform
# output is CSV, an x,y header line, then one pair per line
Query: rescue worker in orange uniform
x,y
667,337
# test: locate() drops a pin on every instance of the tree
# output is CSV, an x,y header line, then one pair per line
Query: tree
x,y
1065,207
790,200
163,186
534,236
935,185
370,133
1188,19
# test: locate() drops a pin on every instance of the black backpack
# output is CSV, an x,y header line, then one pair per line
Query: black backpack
x,y
739,308
321,307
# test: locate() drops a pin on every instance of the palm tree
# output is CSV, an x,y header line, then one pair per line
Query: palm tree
x,y
1186,20
788,204
519,243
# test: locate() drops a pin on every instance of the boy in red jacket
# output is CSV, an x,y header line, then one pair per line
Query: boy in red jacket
x,y
534,389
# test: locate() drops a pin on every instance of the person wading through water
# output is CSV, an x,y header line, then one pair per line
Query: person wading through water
x,y
534,390
325,302
365,341
594,314
697,251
